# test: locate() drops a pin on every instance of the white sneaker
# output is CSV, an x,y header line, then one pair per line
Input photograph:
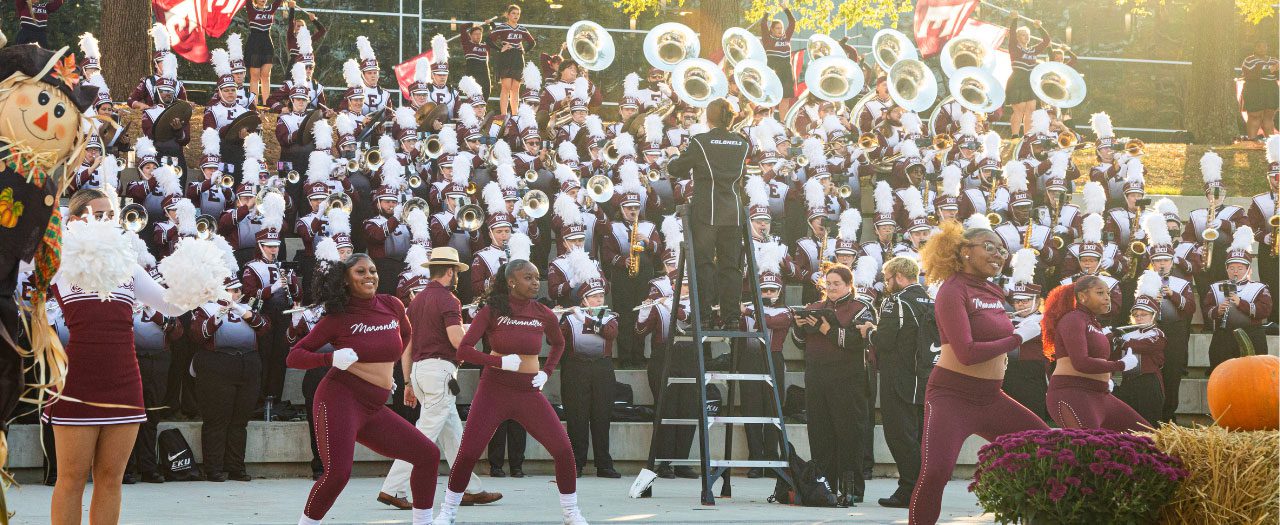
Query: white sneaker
x,y
446,516
574,517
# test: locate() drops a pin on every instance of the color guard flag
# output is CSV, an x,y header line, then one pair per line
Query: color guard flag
x,y
405,71
189,21
937,21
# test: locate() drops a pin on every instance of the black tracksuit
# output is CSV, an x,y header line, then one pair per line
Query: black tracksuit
x,y
898,340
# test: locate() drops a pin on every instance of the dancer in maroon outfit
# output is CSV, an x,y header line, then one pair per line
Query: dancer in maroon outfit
x,y
513,324
370,331
1079,393
963,396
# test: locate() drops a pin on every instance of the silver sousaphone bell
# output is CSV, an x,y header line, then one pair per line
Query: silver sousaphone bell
x,y
758,83
535,204
590,45
600,188
739,45
976,90
912,85
962,52
1058,84
698,81
888,46
834,78
819,46
669,44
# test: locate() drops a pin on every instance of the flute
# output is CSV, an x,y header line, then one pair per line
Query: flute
x,y
661,300
566,309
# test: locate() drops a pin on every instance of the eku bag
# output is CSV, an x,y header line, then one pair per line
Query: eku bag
x,y
177,460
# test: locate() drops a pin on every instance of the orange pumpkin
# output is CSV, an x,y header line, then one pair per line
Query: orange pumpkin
x,y
1244,393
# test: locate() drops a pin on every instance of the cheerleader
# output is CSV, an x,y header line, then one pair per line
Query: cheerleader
x,y
95,415
261,15
476,52
1079,394
370,331
1260,96
514,324
509,41
1142,389
963,394
1017,90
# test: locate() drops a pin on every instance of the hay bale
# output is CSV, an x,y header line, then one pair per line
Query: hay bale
x,y
1234,477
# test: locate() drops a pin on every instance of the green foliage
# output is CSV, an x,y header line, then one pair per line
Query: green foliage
x,y
1254,11
824,16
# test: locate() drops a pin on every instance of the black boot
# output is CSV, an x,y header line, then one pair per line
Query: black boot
x,y
900,499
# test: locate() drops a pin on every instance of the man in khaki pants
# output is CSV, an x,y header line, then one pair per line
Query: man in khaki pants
x,y
430,367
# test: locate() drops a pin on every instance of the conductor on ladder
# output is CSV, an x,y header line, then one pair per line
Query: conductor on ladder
x,y
716,160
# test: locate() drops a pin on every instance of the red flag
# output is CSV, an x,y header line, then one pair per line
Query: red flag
x,y
405,71
937,21
798,60
189,21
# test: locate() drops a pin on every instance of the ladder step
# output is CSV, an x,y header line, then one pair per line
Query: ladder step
x,y
711,336
720,376
735,420
726,462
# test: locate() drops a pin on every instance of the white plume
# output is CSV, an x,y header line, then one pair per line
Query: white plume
x,y
414,260
365,48
210,142
322,133
814,195
1149,284
327,250
298,74
145,259
990,146
908,149
1095,198
1091,228
978,221
969,124
1242,239
303,38
631,85
865,271
567,151
526,117
951,176
1039,122
1157,229
531,77
144,147
351,73
913,202
812,148
319,166
1211,167
502,152
89,46
672,231
625,144
405,118
850,222
581,267
769,256
448,136
235,46
883,197
911,123
169,66
439,49
419,226
1134,170
469,87
109,172
653,128
273,211
167,180
506,176
492,196
254,148
1101,124
462,167
159,37
1273,148
831,123
339,221
581,89
629,174
186,213
757,191
345,124
1015,173
567,210
520,246
595,127
1166,206
1022,268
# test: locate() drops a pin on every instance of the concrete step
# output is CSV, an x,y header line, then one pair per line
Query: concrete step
x,y
287,442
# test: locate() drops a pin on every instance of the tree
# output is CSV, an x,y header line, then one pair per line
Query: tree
x,y
823,16
126,45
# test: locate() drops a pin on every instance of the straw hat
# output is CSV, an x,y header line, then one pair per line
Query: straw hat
x,y
445,256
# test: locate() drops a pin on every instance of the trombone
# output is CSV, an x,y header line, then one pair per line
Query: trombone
x,y
338,200
432,147
415,203
470,217
373,159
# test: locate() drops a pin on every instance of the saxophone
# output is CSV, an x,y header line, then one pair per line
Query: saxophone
x,y
1275,226
633,259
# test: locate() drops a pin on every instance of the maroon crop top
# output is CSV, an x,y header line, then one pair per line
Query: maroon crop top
x,y
376,329
520,333
1080,336
971,318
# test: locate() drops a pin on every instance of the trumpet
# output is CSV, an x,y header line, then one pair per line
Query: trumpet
x,y
868,141
471,188
1135,148
227,181
600,188
844,191
293,176
353,165
337,200
414,181
373,159
206,227
133,217
943,142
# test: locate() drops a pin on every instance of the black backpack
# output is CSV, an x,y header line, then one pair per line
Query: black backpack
x,y
794,408
178,462
810,490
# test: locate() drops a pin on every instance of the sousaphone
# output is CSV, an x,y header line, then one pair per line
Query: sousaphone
x,y
834,78
740,45
962,52
160,127
912,85
698,81
1058,84
758,83
590,45
670,43
889,46
820,46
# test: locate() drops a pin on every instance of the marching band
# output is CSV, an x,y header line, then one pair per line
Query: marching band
x,y
591,202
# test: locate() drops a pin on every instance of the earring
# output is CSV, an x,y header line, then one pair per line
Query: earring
x,y
966,256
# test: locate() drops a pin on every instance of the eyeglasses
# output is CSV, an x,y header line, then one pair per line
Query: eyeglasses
x,y
992,248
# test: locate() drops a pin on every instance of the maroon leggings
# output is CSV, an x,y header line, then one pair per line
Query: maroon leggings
x,y
504,395
347,410
1080,402
957,406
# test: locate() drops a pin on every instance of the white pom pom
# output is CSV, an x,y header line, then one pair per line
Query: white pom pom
x,y
96,256
192,280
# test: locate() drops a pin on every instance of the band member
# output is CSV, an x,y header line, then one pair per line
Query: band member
x,y
161,243
1026,379
476,52
830,333
228,373
1079,394
239,225
630,243
376,99
370,331
280,98
1020,231
144,94
1175,306
590,330
219,116
1120,220
235,52
153,335
963,395
514,326
438,90
816,250
1142,389
1024,56
387,238
1236,303
276,288
1219,217
509,41
1262,216
180,224
877,109
763,441
208,193
261,15
432,364
294,34
1107,170
903,345
166,93
97,433
295,149
488,259
445,227
146,190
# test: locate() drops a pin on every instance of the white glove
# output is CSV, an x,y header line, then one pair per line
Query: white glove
x,y
1130,361
539,379
511,362
295,317
344,358
240,309
276,287
1111,385
1028,329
